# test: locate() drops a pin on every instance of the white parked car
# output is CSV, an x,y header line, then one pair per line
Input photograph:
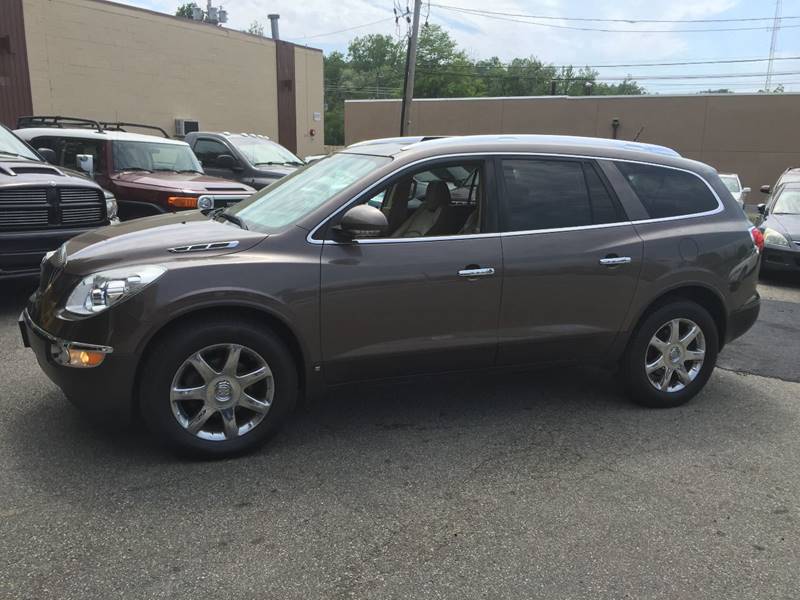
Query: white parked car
x,y
731,181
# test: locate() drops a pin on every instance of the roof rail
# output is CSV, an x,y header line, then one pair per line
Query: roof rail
x,y
99,126
120,125
56,121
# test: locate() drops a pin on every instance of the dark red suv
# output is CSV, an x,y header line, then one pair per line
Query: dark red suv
x,y
148,174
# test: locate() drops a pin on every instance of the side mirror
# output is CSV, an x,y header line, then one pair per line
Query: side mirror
x,y
766,189
762,208
85,162
226,161
746,190
48,154
363,221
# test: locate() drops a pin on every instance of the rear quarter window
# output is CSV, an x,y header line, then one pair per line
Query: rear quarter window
x,y
667,192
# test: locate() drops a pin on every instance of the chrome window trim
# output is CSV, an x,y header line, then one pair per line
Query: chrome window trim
x,y
486,155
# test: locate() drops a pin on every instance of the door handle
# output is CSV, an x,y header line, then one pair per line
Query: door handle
x,y
478,272
610,261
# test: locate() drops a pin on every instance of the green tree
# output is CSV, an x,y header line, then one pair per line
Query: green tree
x,y
185,10
256,28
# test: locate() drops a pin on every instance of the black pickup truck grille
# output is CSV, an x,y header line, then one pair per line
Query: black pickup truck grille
x,y
44,207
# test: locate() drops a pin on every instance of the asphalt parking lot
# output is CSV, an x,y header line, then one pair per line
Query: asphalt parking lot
x,y
528,485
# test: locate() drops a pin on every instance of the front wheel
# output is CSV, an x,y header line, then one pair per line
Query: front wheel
x,y
219,388
671,355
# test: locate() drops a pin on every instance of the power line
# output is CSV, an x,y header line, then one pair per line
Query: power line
x,y
602,20
475,12
319,35
545,76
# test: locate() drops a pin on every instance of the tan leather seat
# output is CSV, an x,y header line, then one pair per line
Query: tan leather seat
x,y
430,213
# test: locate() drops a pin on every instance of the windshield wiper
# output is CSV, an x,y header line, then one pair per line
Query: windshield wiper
x,y
135,169
7,153
177,170
274,162
221,214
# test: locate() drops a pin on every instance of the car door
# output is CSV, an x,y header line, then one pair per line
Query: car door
x,y
208,151
571,259
405,305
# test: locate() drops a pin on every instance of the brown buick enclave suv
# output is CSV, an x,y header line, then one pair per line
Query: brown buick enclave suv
x,y
397,257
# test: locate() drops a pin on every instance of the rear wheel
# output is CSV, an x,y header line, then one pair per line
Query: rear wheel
x,y
219,389
671,355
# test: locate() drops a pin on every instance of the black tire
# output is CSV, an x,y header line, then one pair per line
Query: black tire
x,y
637,382
167,355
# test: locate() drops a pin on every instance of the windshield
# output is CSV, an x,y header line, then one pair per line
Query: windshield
x,y
10,145
788,202
259,151
154,156
732,183
293,197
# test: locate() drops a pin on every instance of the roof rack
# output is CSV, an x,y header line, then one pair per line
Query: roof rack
x,y
99,126
120,125
56,121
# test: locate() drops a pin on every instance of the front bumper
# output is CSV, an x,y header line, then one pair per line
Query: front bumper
x,y
781,258
104,392
21,252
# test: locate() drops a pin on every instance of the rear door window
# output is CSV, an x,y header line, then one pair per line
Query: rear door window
x,y
667,192
553,194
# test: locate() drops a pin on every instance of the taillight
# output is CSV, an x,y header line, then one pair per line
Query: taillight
x,y
758,238
182,201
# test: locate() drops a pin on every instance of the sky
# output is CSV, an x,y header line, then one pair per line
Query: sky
x,y
319,23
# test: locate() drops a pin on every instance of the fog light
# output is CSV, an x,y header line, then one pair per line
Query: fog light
x,y
77,357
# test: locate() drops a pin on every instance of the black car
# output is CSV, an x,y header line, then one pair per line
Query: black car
x,y
247,157
42,206
781,228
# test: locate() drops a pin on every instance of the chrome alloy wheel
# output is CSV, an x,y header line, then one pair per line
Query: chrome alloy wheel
x,y
675,355
222,392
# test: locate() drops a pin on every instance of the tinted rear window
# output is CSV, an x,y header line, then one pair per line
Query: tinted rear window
x,y
666,192
552,194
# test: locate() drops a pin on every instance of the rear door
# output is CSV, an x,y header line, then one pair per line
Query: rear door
x,y
571,258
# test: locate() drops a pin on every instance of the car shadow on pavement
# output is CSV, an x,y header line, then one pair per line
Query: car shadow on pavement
x,y
437,431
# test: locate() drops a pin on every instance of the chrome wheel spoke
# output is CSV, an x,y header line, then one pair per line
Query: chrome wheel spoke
x,y
695,355
683,375
257,406
249,379
656,364
232,362
674,330
229,423
194,393
665,379
690,336
200,419
202,367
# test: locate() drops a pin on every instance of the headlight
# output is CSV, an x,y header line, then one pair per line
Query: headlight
x,y
111,206
99,291
205,202
774,238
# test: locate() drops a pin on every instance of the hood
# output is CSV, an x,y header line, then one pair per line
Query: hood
x,y
274,171
23,171
148,240
197,183
786,224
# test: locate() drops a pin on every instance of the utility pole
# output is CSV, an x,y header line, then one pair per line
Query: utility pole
x,y
776,25
411,62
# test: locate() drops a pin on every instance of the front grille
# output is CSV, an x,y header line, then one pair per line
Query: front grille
x,y
38,208
22,208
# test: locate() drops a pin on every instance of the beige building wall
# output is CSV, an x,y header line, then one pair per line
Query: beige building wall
x,y
309,101
754,135
97,59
